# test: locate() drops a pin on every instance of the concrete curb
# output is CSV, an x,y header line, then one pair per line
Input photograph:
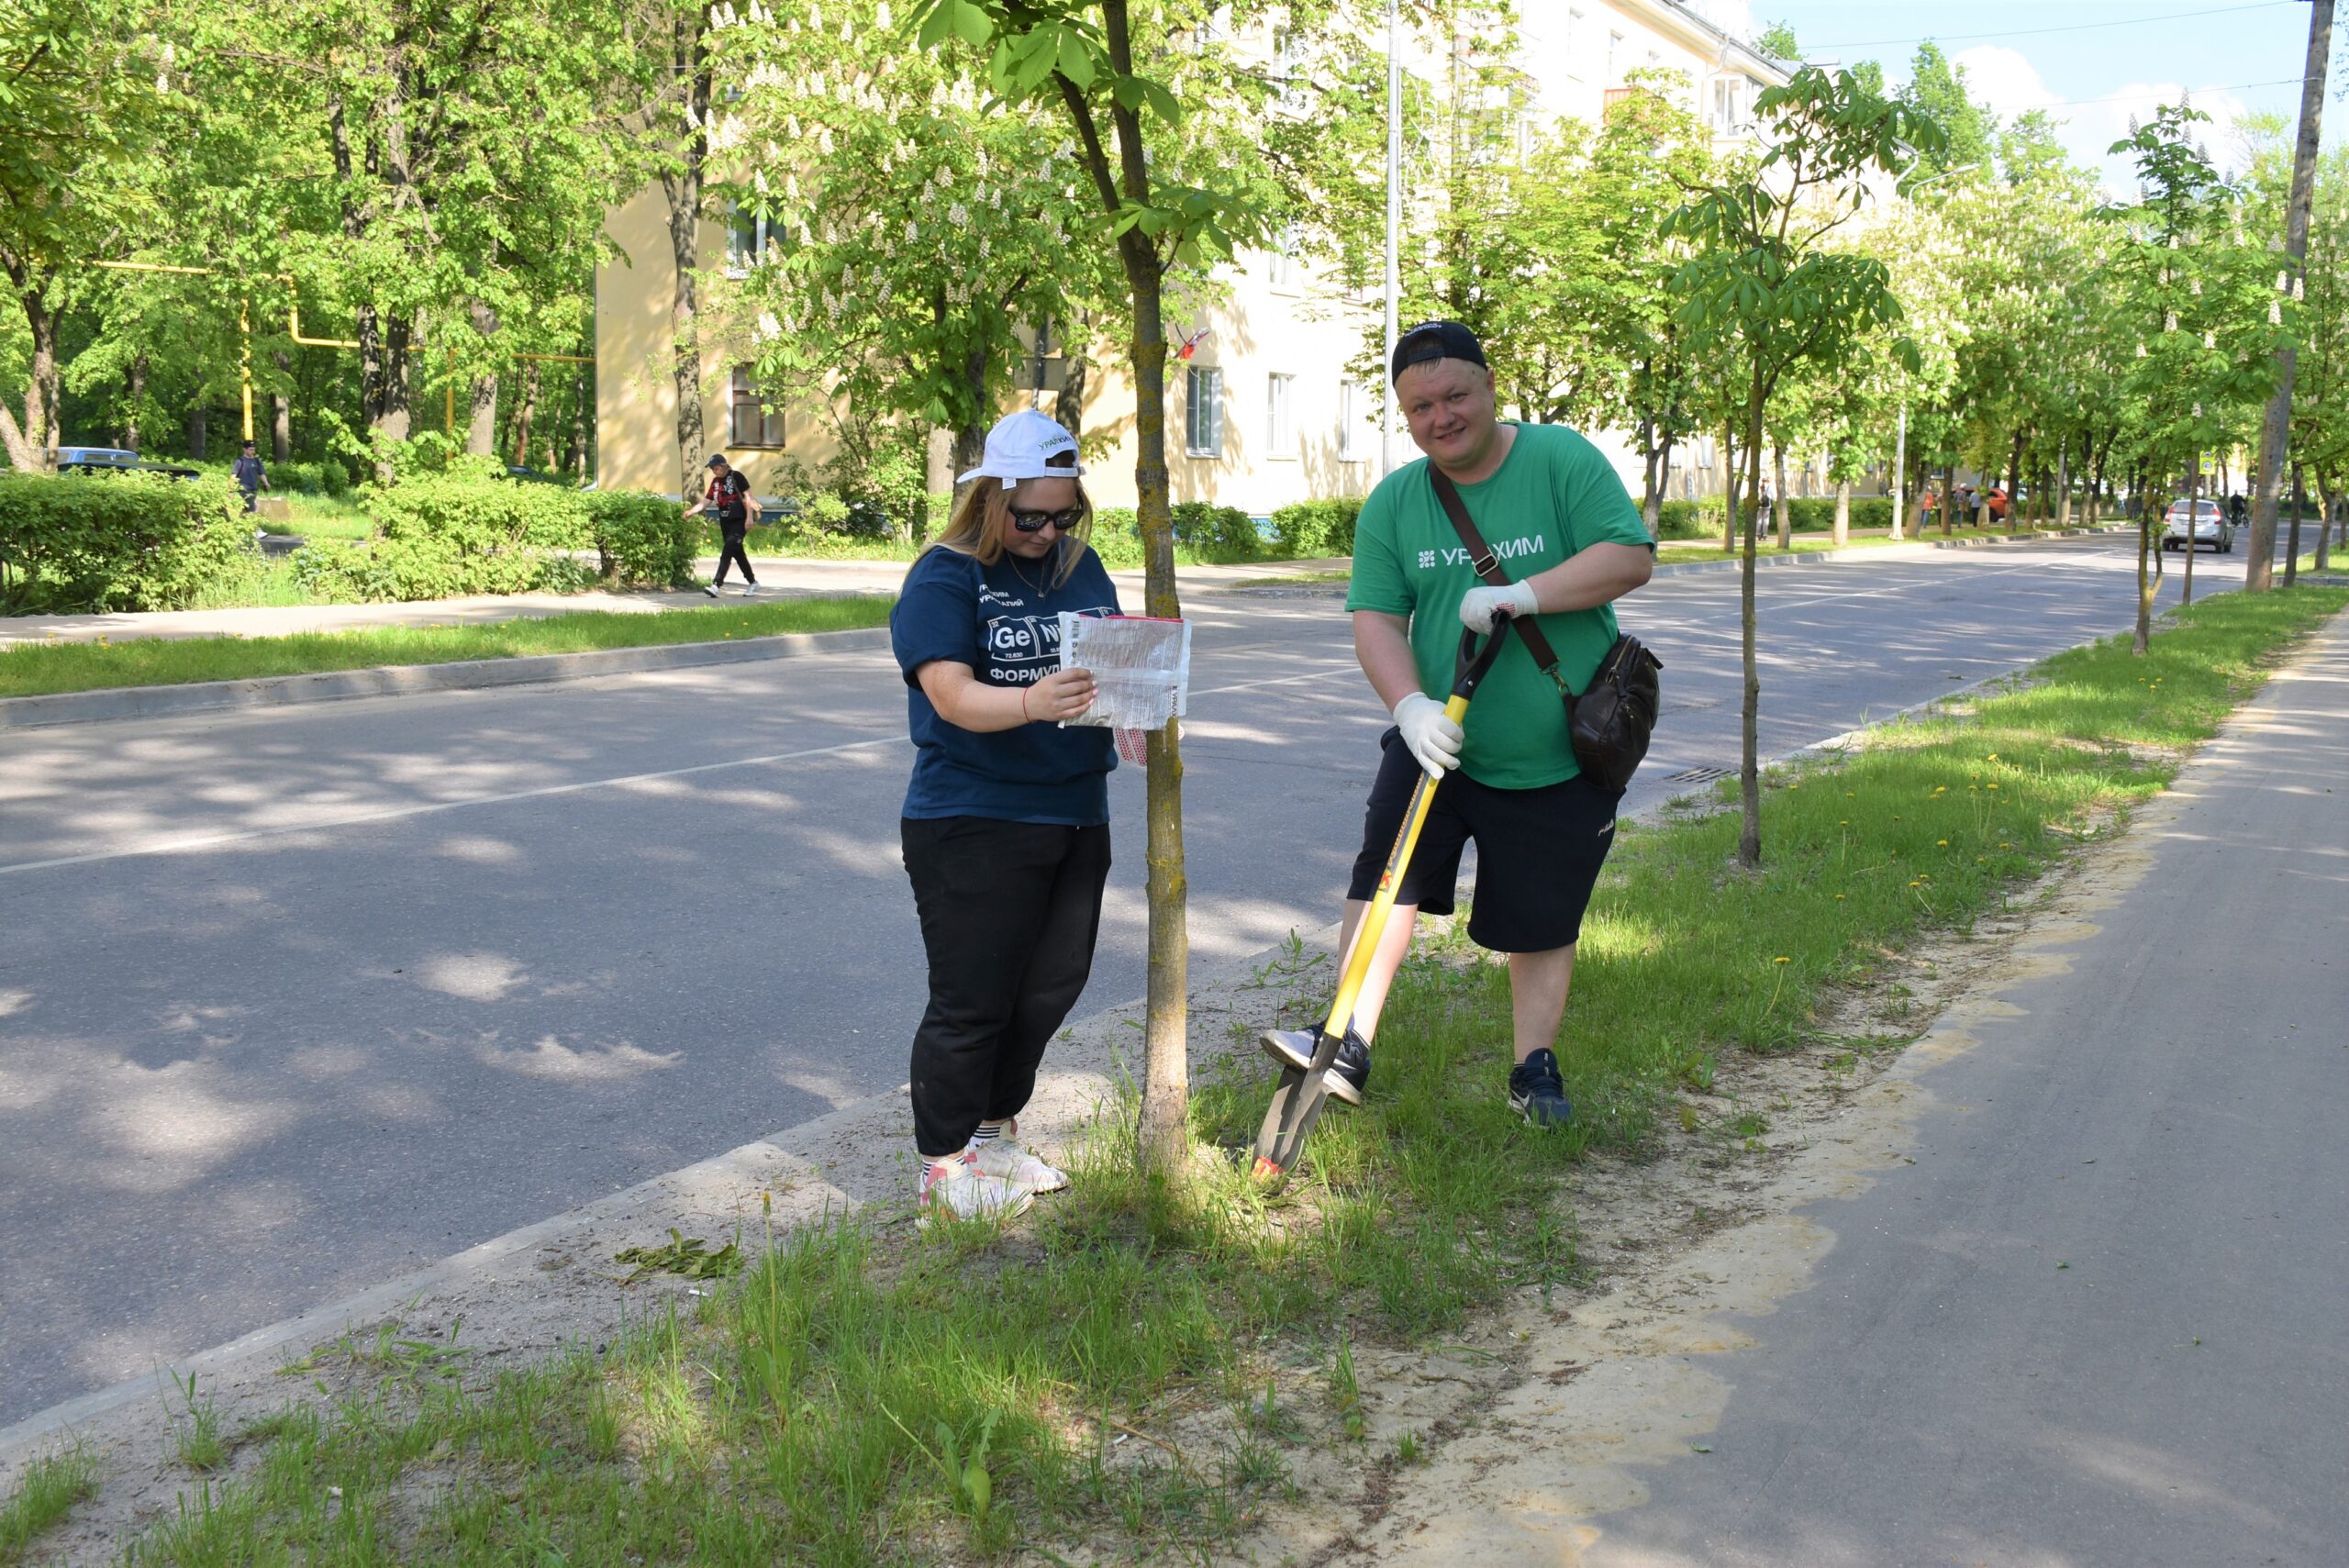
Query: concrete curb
x,y
404,680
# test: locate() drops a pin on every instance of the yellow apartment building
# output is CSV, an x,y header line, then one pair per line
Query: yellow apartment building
x,y
1265,411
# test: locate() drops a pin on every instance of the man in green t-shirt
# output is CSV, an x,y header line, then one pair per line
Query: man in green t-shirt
x,y
1558,518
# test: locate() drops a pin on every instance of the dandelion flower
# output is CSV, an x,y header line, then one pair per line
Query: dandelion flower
x,y
1777,961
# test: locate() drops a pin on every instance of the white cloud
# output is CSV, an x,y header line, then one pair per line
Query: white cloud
x,y
2008,81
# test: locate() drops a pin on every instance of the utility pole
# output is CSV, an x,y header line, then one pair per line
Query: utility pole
x,y
1394,237
2274,431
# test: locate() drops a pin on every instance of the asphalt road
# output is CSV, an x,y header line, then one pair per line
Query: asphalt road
x,y
2099,1322
294,1001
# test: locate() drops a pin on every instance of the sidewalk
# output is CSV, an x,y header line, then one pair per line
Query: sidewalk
x,y
783,577
2062,1287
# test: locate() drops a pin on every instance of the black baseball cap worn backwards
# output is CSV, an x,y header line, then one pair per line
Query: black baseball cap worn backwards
x,y
1432,341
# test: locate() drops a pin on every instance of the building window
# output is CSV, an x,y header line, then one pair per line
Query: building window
x,y
1353,413
1574,43
1729,104
1614,53
1203,412
1280,418
1280,266
749,422
748,235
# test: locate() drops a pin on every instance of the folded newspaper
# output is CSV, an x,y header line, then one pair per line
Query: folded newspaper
x,y
1142,672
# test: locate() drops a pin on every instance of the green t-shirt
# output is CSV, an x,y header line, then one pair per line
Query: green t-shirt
x,y
1552,496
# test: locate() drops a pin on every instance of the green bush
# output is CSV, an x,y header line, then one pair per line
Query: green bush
x,y
75,543
459,530
1217,534
641,539
1691,520
1310,528
1117,537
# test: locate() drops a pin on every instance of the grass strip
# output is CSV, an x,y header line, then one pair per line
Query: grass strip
x,y
42,668
51,1484
865,1395
1678,552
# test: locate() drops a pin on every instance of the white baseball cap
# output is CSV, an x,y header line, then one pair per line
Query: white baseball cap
x,y
1018,448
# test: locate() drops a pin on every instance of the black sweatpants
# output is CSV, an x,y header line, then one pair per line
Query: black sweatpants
x,y
731,534
1009,911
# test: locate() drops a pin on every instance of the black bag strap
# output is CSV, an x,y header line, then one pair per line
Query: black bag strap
x,y
1488,567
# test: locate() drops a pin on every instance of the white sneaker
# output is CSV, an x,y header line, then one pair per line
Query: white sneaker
x,y
1011,1162
957,1187
750,590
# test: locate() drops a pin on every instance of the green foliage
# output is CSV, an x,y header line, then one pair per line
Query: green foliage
x,y
459,531
1308,530
1691,520
1218,534
74,544
1117,537
640,540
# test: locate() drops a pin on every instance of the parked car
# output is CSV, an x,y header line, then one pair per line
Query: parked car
x,y
113,460
2210,527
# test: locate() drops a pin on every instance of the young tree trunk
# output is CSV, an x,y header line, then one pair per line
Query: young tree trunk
x,y
1732,524
682,185
1782,503
1748,768
1949,497
575,461
200,424
481,404
938,482
138,400
1163,1135
2292,545
41,386
2324,523
2141,642
2193,522
1843,535
2014,485
523,415
281,413
1663,482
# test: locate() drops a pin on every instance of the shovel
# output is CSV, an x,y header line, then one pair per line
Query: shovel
x,y
1298,1097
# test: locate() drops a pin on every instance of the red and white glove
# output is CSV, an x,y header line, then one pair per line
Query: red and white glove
x,y
1476,608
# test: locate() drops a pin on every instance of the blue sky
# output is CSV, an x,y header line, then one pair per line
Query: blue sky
x,y
2114,57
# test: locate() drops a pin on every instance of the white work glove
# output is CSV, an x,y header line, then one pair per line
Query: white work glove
x,y
1433,739
1477,609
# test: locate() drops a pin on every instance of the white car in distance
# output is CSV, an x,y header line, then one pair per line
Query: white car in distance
x,y
2210,527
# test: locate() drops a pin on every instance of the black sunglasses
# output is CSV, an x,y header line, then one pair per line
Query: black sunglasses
x,y
1064,519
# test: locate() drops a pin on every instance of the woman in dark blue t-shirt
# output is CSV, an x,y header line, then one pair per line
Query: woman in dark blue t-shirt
x,y
1007,817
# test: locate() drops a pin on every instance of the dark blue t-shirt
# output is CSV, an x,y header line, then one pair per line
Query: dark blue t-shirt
x,y
995,619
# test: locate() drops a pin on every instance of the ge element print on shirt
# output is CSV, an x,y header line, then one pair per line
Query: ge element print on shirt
x,y
1021,648
1506,550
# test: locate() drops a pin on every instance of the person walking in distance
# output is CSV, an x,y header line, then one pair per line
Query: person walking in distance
x,y
1555,514
1005,827
251,476
729,495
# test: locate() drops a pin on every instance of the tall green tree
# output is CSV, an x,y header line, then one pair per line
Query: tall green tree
x,y
87,93
1761,281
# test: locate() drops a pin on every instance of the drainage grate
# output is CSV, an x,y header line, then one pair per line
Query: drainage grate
x,y
1701,776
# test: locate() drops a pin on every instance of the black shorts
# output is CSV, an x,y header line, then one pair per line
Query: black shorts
x,y
1538,851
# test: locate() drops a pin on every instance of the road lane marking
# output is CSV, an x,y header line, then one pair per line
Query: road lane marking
x,y
399,813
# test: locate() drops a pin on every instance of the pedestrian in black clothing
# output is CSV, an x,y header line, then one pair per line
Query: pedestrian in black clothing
x,y
729,495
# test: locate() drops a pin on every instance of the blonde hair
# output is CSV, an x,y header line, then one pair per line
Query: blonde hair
x,y
983,517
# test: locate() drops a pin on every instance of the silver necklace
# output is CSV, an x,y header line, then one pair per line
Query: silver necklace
x,y
1036,584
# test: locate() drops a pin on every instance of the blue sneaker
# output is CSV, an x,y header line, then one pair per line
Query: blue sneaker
x,y
1536,1093
1349,1076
